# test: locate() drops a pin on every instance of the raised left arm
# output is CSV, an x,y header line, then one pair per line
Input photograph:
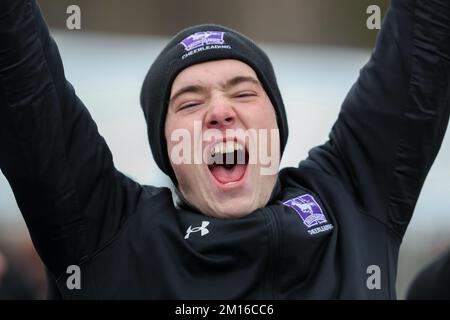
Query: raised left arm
x,y
394,118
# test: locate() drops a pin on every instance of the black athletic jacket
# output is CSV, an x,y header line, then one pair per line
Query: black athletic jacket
x,y
331,230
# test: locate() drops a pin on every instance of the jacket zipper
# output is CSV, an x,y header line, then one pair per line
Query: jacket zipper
x,y
274,252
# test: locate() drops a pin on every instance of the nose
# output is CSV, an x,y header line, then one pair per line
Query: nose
x,y
220,114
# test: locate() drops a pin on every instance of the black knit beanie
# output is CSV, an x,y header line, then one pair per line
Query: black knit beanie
x,y
191,46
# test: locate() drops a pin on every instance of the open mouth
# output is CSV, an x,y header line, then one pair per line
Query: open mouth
x,y
228,162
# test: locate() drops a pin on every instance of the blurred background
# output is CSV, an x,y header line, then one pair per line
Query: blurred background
x,y
317,48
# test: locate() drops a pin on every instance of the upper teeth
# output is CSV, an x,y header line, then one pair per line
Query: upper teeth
x,y
226,147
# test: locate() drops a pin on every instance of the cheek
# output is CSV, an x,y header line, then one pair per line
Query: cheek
x,y
168,128
267,118
271,116
170,134
180,136
174,128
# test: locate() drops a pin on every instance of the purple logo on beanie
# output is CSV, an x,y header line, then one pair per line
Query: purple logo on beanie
x,y
308,209
202,38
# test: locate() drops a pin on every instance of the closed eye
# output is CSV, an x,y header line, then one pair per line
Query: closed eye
x,y
245,94
188,105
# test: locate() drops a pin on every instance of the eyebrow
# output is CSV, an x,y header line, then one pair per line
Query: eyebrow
x,y
188,89
240,79
229,84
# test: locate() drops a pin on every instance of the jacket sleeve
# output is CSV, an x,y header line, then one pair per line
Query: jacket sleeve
x,y
60,169
393,120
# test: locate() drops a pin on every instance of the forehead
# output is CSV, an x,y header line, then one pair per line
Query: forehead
x,y
212,73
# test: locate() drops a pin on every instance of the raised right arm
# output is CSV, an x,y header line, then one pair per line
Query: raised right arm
x,y
60,169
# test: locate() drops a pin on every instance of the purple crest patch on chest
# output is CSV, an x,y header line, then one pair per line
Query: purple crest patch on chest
x,y
308,209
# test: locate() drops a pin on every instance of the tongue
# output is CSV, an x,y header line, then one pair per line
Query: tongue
x,y
228,175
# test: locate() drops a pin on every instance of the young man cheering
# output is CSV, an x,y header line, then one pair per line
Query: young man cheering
x,y
329,228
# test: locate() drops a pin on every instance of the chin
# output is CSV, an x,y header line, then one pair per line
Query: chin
x,y
233,207
233,211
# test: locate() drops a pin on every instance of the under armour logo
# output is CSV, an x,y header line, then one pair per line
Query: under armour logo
x,y
202,230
